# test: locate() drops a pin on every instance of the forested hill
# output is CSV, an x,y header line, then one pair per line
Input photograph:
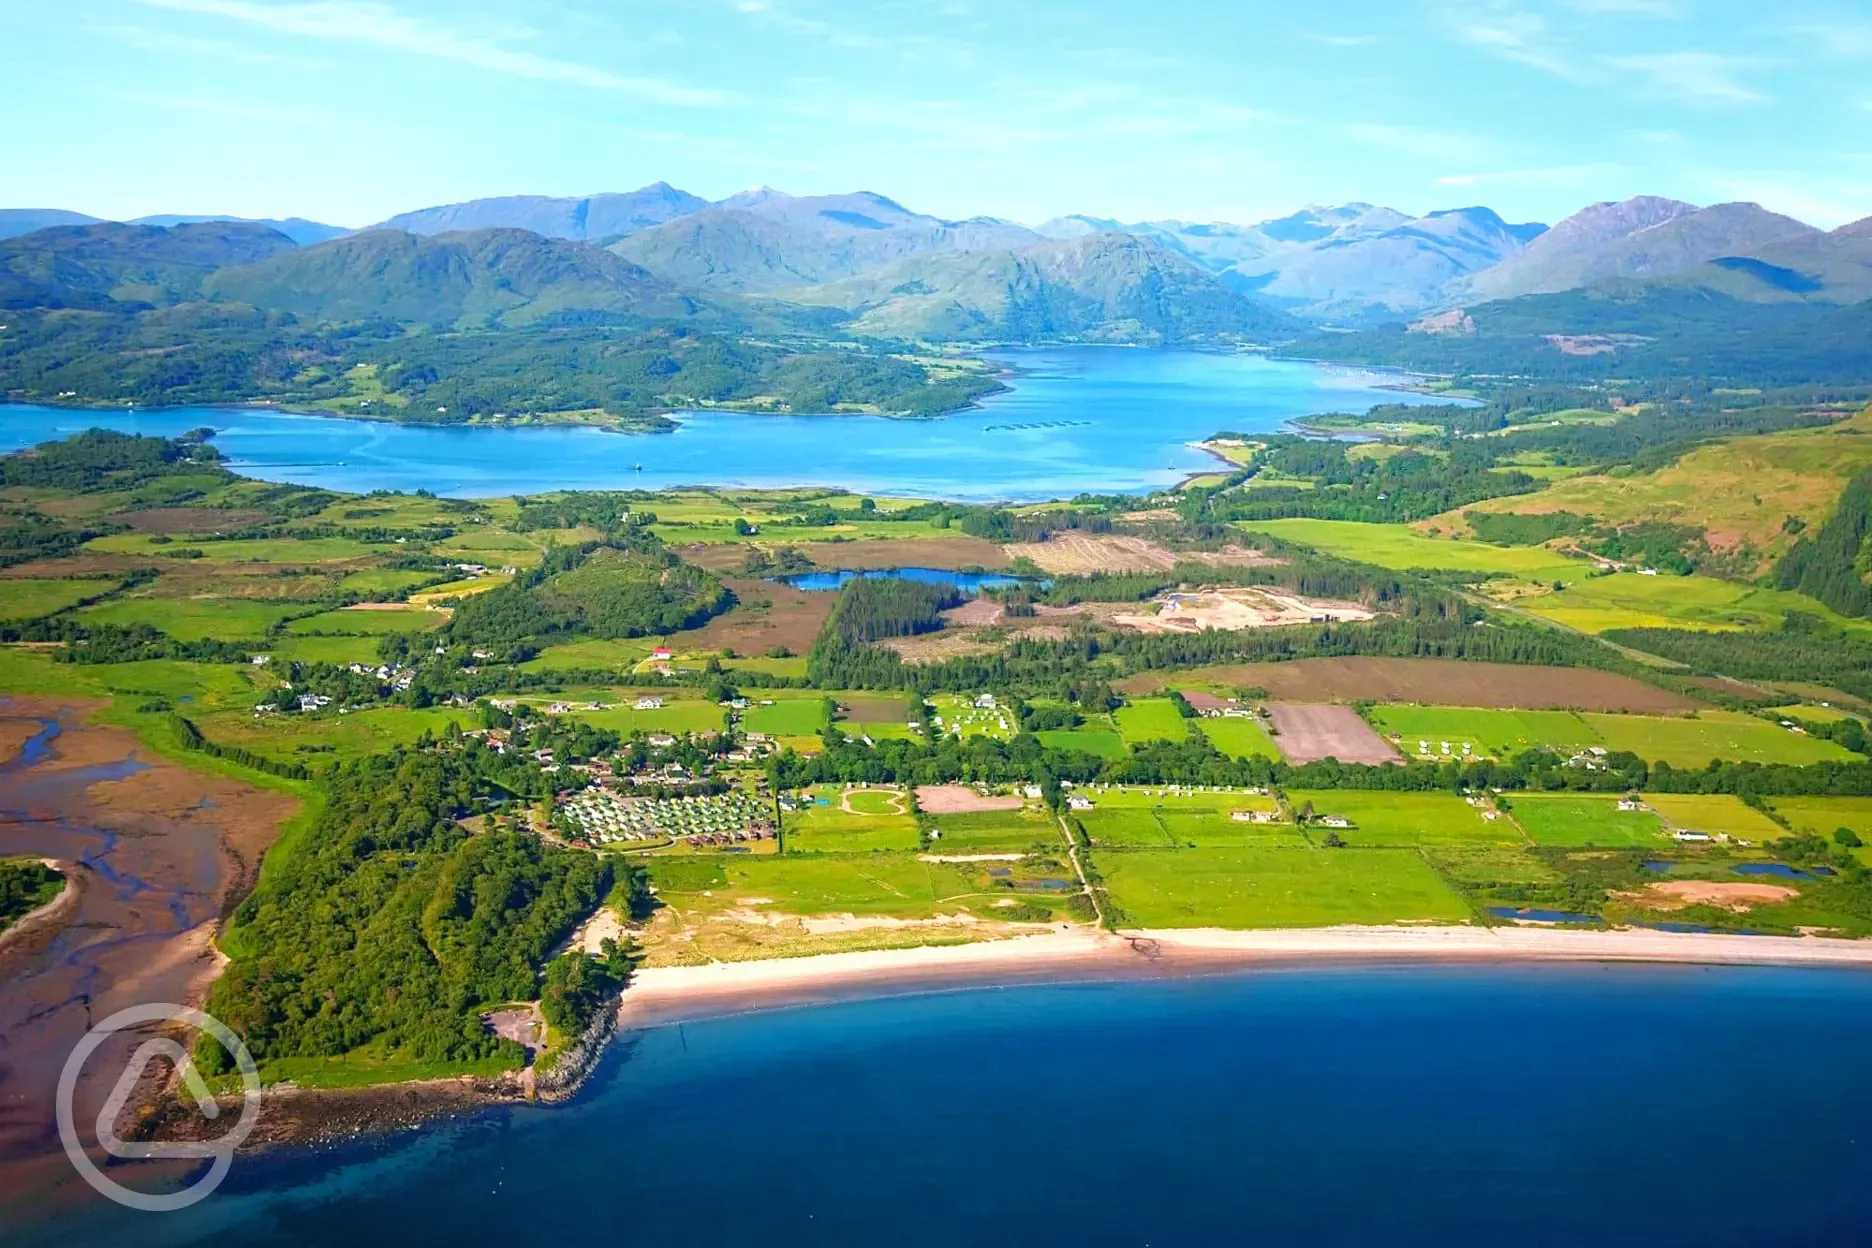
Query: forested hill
x,y
1830,564
1625,330
478,279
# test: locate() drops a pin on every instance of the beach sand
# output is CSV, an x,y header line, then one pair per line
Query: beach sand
x,y
670,994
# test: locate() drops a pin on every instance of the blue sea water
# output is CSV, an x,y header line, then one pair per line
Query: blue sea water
x,y
1524,1105
1098,419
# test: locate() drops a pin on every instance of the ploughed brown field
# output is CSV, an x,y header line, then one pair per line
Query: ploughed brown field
x,y
1445,682
766,614
878,553
189,519
959,799
1069,554
1309,732
881,709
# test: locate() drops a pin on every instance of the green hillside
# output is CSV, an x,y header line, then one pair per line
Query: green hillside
x,y
96,266
481,278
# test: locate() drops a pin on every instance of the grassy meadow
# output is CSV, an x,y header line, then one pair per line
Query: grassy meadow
x,y
1270,887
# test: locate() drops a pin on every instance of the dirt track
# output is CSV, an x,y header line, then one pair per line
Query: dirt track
x,y
1310,732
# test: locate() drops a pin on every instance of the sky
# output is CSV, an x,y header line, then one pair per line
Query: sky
x,y
348,111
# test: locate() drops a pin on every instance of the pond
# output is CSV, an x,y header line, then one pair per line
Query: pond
x,y
968,582
1537,915
1781,869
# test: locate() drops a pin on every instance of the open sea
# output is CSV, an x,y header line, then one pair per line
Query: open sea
x,y
1076,419
1506,1105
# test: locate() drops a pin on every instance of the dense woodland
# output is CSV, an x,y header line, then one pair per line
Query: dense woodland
x,y
218,354
389,928
630,589
25,885
1830,564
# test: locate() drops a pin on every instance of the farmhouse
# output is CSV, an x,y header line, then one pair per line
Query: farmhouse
x,y
650,704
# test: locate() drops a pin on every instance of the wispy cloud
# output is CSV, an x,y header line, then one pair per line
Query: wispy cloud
x,y
380,26
169,44
1694,77
1516,35
1554,175
1420,143
1625,8
1339,41
224,109
1834,39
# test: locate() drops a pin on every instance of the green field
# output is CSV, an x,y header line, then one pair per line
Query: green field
x,y
1498,734
340,650
996,831
26,599
675,717
327,737
1150,719
195,619
1823,816
366,623
1714,813
877,819
898,885
1412,819
1158,819
1693,742
1239,737
383,582
617,656
1579,820
202,685
1596,604
1091,740
1131,828
787,717
1267,887
1808,712
1395,546
795,666
258,550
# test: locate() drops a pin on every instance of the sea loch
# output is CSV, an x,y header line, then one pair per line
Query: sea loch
x,y
1336,1106
1074,420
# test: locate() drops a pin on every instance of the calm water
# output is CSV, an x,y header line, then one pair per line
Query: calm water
x,y
967,582
1524,1106
1078,419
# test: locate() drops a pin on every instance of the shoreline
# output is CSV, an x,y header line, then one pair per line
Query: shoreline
x,y
661,995
656,997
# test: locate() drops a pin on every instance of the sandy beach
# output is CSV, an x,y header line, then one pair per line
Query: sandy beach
x,y
669,994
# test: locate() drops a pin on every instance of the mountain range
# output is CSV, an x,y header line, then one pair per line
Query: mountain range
x,y
17,221
866,263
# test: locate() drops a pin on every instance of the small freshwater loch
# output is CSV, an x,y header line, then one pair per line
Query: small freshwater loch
x,y
1337,1105
1073,420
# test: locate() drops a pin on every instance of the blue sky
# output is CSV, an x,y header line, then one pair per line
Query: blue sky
x,y
348,111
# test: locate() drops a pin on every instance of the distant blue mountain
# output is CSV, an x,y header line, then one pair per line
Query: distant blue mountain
x,y
300,230
17,221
